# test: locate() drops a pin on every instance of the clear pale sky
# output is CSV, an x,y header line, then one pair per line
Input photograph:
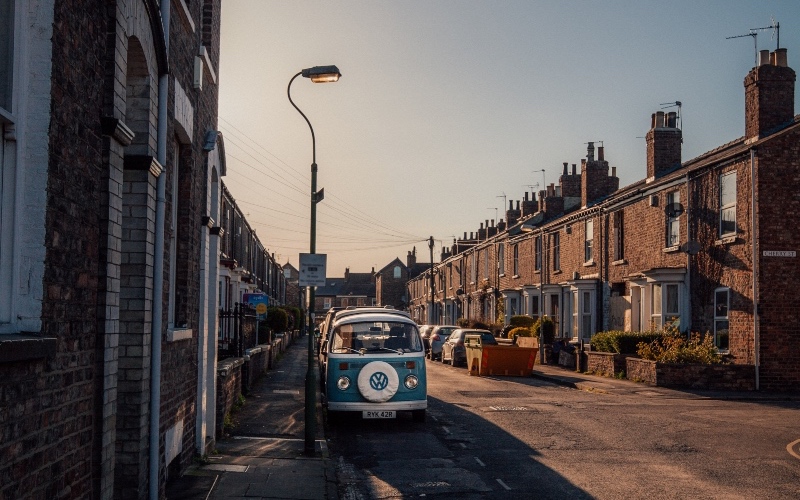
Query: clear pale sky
x,y
445,106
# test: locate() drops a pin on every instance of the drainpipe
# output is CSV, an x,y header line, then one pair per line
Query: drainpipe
x,y
158,271
754,241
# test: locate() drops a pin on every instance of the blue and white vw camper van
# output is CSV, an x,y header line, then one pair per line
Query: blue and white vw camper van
x,y
375,365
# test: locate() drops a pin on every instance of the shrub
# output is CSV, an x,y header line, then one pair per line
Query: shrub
x,y
547,327
673,347
520,331
462,323
277,319
478,325
295,316
622,342
521,320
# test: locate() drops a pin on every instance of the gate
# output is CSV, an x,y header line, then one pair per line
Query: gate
x,y
237,331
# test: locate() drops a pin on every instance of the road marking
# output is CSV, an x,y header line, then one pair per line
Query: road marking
x,y
790,449
504,485
479,462
446,430
463,445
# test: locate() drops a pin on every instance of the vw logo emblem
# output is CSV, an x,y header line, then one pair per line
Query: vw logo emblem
x,y
378,381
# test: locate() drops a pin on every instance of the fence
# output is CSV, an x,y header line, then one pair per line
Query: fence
x,y
237,331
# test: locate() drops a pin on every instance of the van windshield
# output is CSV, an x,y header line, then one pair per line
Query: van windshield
x,y
380,336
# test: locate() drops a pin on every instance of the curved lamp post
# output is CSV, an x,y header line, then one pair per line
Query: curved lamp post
x,y
317,74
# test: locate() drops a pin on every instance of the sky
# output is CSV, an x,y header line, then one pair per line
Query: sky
x,y
449,109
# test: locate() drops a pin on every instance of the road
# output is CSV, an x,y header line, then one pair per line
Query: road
x,y
511,437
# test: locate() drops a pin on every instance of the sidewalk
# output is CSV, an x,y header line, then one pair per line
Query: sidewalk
x,y
263,457
607,385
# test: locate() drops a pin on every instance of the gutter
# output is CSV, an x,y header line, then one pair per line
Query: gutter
x,y
158,271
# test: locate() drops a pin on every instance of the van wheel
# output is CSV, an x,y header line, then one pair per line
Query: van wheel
x,y
418,415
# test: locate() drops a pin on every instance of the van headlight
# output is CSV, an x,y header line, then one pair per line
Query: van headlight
x,y
343,383
412,381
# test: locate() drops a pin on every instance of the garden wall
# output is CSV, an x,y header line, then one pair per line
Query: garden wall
x,y
724,377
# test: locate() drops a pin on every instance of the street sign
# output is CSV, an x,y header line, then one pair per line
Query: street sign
x,y
312,269
259,301
780,253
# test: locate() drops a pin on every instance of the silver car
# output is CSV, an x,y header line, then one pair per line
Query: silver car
x,y
436,339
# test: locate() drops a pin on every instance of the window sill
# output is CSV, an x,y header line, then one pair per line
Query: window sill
x,y
620,262
178,334
516,276
557,271
590,263
20,347
672,249
502,275
726,240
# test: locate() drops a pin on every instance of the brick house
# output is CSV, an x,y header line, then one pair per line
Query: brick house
x,y
354,289
294,294
701,244
111,169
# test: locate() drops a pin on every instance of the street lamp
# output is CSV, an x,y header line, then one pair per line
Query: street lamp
x,y
430,313
317,74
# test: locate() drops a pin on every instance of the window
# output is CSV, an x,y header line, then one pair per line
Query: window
x,y
588,241
575,314
397,271
582,304
516,260
673,223
672,310
173,239
474,268
326,303
6,54
486,263
727,204
721,307
501,259
556,251
586,314
619,235
655,307
537,253
345,303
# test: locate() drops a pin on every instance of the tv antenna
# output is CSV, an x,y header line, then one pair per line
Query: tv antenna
x,y
676,104
776,33
504,200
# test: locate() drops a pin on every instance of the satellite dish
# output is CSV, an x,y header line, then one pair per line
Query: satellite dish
x,y
691,247
673,210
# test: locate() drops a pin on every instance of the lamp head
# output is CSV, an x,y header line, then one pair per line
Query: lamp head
x,y
322,74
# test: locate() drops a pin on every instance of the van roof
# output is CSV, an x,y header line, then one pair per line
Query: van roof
x,y
372,314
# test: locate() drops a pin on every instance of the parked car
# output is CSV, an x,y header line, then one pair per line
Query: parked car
x,y
436,339
375,365
453,350
424,331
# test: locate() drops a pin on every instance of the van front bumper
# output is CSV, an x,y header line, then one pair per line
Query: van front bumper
x,y
391,405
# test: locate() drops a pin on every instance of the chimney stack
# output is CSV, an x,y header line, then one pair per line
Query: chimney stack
x,y
663,145
769,95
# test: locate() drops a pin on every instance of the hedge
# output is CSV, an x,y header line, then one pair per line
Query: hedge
x,y
622,342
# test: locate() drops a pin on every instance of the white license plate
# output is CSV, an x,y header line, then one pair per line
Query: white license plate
x,y
379,414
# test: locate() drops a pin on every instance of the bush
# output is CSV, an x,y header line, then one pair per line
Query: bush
x,y
520,331
521,320
623,342
673,347
462,323
295,317
277,319
547,327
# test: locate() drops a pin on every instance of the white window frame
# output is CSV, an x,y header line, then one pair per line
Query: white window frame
x,y
556,251
588,241
516,259
397,272
653,300
326,303
673,238
722,317
727,203
537,253
24,143
501,259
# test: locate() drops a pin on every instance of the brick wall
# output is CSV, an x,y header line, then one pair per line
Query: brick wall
x,y
229,387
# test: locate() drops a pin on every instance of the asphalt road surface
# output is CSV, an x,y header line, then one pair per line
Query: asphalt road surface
x,y
513,437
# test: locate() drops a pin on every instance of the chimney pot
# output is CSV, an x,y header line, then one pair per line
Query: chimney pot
x,y
574,170
659,119
590,151
763,57
780,58
613,171
565,168
653,121
600,153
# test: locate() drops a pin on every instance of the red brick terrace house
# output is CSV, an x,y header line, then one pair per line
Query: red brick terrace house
x,y
702,243
108,261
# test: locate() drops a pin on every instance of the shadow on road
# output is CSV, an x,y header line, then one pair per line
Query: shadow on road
x,y
455,453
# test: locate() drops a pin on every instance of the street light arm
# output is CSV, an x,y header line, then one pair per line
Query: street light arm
x,y
313,139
